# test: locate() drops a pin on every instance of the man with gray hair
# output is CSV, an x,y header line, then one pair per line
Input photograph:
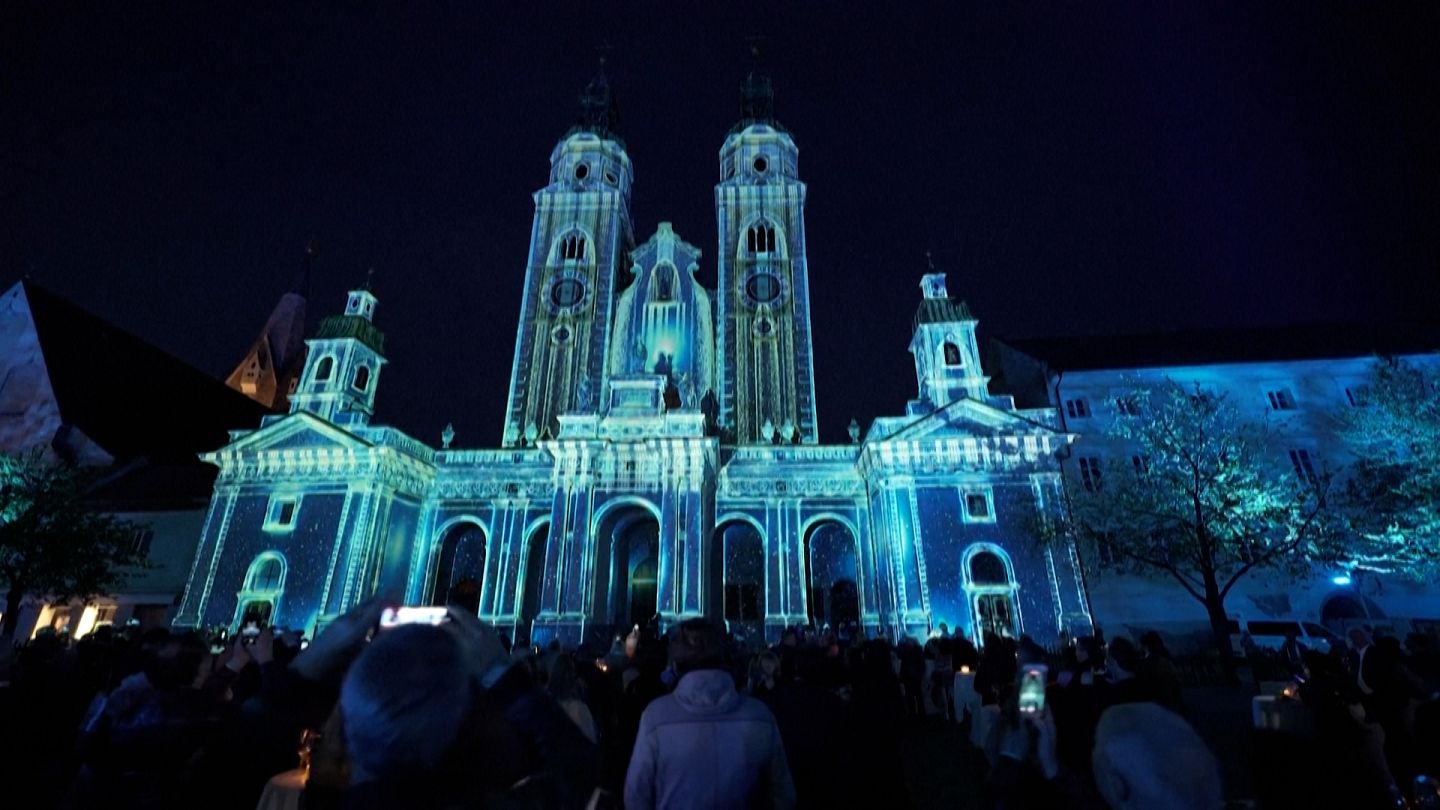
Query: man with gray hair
x,y
1148,757
705,745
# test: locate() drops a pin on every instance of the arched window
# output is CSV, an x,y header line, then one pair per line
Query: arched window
x,y
986,568
362,378
266,574
760,239
323,369
952,354
664,286
572,248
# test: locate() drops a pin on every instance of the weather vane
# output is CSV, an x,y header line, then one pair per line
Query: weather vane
x,y
930,260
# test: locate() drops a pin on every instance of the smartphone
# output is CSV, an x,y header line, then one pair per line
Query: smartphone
x,y
1032,688
396,616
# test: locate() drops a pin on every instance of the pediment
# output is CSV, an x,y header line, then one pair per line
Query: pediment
x,y
297,431
970,418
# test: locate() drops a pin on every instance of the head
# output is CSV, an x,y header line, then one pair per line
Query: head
x,y
944,630
403,701
1359,637
697,644
175,662
1153,645
1146,756
769,663
1087,650
1123,660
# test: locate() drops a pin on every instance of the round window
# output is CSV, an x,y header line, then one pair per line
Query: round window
x,y
567,292
561,334
611,178
761,164
764,327
582,171
763,288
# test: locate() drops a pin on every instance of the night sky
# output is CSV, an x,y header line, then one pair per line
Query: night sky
x,y
1075,168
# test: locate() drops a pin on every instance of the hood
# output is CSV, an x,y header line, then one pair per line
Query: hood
x,y
707,692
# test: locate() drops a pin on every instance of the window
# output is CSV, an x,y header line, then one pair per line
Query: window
x,y
742,602
1127,406
141,542
104,614
1303,464
952,354
282,514
664,289
567,292
1090,473
362,378
324,368
760,239
978,506
267,573
572,248
763,288
1077,408
1141,463
1281,399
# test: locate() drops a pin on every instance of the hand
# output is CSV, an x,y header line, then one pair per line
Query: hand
x,y
1043,723
264,649
237,656
332,651
482,644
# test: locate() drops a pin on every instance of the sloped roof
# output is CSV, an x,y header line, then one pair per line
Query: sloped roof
x,y
1266,344
941,310
130,397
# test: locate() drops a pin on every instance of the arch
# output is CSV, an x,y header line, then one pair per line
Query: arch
x,y
362,378
832,572
462,548
950,351
266,573
324,368
259,597
626,535
573,245
532,573
663,282
761,236
988,575
739,545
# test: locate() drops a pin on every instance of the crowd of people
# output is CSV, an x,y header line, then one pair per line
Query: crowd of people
x,y
451,716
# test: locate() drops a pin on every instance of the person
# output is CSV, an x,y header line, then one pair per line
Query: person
x,y
1146,756
706,745
940,651
1122,664
1159,673
1293,653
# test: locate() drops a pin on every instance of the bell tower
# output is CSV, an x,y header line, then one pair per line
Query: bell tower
x,y
767,376
581,233
342,367
947,356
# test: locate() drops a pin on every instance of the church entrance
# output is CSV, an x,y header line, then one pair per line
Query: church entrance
x,y
627,566
991,588
460,571
534,580
740,568
832,566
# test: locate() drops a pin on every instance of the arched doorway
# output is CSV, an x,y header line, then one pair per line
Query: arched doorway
x,y
990,584
461,567
831,574
263,587
627,565
742,575
533,579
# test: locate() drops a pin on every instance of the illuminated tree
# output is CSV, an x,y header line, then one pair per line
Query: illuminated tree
x,y
1391,493
1202,499
51,544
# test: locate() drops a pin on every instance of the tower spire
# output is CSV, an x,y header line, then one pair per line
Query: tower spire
x,y
757,92
598,112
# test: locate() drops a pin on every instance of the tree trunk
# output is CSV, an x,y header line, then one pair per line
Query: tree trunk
x,y
1219,626
13,598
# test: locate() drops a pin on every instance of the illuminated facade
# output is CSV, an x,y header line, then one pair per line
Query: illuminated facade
x,y
659,454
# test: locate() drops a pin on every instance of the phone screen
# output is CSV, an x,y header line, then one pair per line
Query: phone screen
x,y
394,617
1032,689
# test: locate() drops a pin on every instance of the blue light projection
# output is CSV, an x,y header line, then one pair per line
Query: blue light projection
x,y
659,456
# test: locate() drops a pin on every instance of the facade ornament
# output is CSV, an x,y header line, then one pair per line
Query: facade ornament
x,y
447,436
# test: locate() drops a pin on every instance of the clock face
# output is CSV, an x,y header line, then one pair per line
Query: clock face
x,y
763,288
567,292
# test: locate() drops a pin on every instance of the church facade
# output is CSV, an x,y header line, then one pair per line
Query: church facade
x,y
659,455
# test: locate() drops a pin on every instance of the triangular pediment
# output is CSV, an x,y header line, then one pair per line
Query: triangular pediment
x,y
296,431
970,418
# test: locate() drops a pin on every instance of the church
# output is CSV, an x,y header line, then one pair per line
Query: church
x,y
660,456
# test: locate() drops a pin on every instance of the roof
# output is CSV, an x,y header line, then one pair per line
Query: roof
x,y
1259,345
352,326
128,396
942,310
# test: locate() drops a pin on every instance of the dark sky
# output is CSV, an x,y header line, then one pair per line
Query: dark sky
x,y
1075,167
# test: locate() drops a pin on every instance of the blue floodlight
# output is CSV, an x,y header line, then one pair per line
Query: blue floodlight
x,y
1341,579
